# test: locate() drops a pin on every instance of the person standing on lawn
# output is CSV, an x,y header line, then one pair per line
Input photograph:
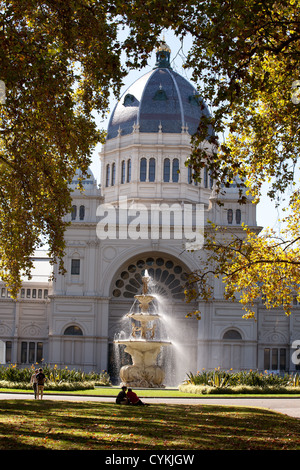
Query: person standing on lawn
x,y
40,377
33,381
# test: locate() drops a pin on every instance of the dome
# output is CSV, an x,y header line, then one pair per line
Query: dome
x,y
87,180
159,100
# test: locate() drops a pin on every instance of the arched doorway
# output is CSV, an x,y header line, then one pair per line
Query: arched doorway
x,y
168,278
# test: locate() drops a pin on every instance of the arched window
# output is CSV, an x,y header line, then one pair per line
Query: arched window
x,y
238,216
175,170
170,278
73,330
143,169
152,169
229,216
113,174
123,172
166,170
107,175
232,335
73,212
81,212
128,171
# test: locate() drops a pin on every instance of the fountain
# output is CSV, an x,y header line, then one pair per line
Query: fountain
x,y
142,345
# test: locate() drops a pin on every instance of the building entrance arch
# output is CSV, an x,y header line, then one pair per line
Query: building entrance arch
x,y
168,278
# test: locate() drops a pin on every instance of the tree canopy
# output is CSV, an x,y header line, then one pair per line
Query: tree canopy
x,y
246,59
59,62
246,56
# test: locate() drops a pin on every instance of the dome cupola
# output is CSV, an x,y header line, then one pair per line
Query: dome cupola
x,y
163,55
148,143
159,101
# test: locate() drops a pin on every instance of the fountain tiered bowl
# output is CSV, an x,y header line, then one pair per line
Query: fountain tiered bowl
x,y
143,347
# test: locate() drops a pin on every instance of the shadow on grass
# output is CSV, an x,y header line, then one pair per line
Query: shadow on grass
x,y
29,424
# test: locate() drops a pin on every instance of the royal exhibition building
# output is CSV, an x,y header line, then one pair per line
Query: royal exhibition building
x,y
143,215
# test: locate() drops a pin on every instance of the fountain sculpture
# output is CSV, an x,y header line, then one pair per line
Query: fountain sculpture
x,y
142,345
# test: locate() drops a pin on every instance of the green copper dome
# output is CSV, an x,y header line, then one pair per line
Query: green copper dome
x,y
159,101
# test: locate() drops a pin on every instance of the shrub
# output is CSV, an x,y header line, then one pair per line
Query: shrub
x,y
54,374
239,389
62,386
14,374
15,385
69,386
224,379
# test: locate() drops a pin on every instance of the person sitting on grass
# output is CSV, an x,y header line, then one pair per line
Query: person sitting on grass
x,y
134,399
122,398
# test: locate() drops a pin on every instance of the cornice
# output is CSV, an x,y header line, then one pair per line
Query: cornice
x,y
78,297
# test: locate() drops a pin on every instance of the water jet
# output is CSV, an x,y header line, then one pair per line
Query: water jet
x,y
142,345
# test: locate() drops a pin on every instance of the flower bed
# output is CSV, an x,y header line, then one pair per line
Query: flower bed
x,y
61,386
56,379
229,382
238,390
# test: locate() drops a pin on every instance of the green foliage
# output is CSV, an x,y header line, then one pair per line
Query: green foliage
x,y
54,375
245,58
59,62
295,381
224,379
61,386
240,389
14,374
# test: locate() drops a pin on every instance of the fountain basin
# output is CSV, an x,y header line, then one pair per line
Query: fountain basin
x,y
143,317
143,348
144,298
144,301
143,372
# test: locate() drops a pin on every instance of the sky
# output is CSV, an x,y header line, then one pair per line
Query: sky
x,y
267,214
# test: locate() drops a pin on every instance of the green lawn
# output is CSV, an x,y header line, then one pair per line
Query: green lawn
x,y
110,391
148,392
55,425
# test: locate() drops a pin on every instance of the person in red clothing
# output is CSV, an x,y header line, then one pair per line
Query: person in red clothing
x,y
133,398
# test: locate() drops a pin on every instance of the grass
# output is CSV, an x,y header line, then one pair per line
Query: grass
x,y
49,425
163,393
145,393
110,391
